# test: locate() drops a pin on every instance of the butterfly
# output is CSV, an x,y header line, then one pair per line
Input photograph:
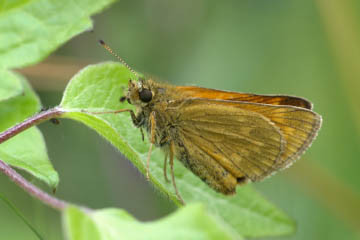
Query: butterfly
x,y
225,138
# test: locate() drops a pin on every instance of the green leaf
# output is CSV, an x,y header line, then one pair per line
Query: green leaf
x,y
98,88
190,222
38,27
10,85
26,150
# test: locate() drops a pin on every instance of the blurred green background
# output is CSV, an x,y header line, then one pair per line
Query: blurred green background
x,y
297,47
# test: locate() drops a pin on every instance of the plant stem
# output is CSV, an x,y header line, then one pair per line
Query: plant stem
x,y
16,177
31,121
32,189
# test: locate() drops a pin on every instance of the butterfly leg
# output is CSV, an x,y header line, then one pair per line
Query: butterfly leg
x,y
165,165
137,121
142,134
172,172
113,112
152,141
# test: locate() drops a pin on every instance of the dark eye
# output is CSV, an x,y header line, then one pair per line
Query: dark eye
x,y
145,95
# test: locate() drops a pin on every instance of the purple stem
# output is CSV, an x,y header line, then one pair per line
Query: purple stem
x,y
16,177
31,121
32,189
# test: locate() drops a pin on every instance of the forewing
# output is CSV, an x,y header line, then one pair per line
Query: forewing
x,y
198,92
241,141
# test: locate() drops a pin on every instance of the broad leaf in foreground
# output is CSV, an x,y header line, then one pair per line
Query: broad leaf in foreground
x,y
26,150
98,88
190,222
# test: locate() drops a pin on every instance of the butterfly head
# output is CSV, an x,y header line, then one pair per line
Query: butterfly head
x,y
139,92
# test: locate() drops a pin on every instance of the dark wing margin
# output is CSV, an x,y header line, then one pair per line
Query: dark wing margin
x,y
207,93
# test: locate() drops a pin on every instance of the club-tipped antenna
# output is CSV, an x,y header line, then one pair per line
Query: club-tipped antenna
x,y
117,56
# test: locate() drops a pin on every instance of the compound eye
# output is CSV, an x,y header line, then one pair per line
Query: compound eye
x,y
145,95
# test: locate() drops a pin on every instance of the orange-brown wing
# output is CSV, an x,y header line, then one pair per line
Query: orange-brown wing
x,y
241,135
198,92
221,137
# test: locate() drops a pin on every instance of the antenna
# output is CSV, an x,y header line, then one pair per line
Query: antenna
x,y
117,56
